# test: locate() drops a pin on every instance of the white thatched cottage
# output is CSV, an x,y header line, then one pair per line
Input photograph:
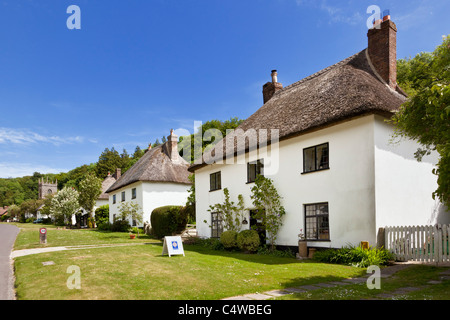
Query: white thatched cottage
x,y
159,178
339,175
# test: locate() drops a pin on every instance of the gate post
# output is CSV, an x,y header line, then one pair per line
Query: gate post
x,y
381,242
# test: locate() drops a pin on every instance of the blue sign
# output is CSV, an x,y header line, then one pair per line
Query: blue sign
x,y
175,245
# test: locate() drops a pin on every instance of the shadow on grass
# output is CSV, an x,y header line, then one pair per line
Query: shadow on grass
x,y
249,257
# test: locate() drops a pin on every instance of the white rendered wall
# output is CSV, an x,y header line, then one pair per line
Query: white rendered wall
x,y
404,186
149,195
348,186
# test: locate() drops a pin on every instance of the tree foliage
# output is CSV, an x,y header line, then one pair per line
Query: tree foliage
x,y
206,136
269,209
425,117
232,214
90,189
65,204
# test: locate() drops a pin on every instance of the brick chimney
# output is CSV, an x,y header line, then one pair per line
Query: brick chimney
x,y
382,49
172,146
270,88
118,173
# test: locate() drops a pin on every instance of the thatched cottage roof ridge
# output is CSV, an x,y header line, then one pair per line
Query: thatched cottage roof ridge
x,y
155,166
345,90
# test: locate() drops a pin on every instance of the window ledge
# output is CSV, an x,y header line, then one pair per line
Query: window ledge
x,y
315,171
215,190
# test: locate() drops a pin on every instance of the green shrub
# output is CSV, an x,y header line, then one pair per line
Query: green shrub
x,y
229,239
355,256
168,220
248,240
120,226
102,214
104,226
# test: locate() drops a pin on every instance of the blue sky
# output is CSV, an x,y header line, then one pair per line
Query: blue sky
x,y
138,68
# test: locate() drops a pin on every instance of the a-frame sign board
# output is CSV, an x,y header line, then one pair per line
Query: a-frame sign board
x,y
173,246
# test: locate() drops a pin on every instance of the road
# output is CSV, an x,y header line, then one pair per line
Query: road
x,y
8,234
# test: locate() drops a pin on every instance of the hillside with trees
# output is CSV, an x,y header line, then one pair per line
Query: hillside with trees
x,y
23,191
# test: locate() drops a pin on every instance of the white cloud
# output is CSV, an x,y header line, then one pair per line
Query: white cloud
x,y
337,13
14,170
25,136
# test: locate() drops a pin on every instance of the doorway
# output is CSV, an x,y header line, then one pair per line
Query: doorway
x,y
257,223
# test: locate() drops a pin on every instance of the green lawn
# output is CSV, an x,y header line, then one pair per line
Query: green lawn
x,y
28,238
396,287
142,273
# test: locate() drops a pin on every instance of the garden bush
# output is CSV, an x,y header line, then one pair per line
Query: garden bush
x,y
102,214
355,256
120,226
104,226
168,220
229,239
248,240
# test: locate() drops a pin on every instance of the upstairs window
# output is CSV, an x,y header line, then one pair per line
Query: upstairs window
x,y
123,196
133,193
316,158
215,181
114,199
254,169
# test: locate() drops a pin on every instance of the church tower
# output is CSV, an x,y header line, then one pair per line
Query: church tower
x,y
46,187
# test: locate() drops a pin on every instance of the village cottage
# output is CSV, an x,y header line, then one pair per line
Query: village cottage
x,y
159,178
340,176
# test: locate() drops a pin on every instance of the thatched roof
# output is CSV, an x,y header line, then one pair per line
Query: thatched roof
x,y
155,166
348,89
106,184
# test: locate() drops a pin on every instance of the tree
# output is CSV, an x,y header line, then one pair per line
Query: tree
x,y
268,206
204,137
30,206
90,189
65,204
108,161
232,215
425,116
131,210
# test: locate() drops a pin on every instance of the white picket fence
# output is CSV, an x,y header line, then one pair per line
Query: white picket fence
x,y
419,243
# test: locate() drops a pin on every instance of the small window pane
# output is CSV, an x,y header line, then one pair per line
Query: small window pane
x,y
322,157
309,159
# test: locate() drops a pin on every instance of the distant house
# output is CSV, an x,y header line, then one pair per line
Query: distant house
x,y
3,211
340,177
158,178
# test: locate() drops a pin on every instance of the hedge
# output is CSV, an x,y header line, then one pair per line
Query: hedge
x,y
168,220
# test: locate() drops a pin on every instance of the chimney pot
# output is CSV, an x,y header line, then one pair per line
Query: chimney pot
x,y
270,88
274,76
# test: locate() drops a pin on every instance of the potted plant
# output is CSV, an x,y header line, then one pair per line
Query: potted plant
x,y
302,245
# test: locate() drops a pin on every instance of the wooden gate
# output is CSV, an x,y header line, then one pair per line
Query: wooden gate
x,y
419,243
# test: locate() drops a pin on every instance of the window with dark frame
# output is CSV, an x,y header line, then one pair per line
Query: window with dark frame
x,y
254,169
215,181
216,225
114,199
133,193
316,158
317,222
123,196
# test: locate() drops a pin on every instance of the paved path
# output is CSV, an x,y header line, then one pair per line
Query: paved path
x,y
26,252
8,234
